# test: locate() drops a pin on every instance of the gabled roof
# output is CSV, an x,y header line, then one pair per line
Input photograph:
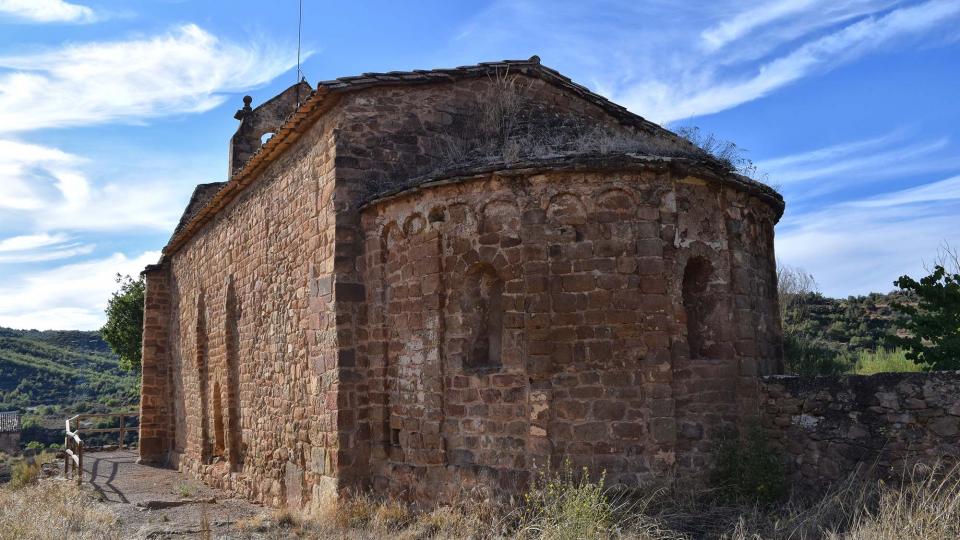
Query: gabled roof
x,y
328,93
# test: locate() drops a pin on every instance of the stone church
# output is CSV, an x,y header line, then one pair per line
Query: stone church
x,y
429,281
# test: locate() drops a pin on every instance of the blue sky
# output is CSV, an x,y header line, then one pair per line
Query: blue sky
x,y
110,113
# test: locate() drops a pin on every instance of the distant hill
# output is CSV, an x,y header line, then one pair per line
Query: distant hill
x,y
62,368
849,324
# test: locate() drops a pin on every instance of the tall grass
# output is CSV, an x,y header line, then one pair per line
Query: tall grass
x,y
883,361
568,504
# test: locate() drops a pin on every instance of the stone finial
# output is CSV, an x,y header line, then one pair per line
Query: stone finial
x,y
535,59
247,100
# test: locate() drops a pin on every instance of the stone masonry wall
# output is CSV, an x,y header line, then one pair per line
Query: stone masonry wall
x,y
461,334
387,137
252,347
516,320
156,393
828,426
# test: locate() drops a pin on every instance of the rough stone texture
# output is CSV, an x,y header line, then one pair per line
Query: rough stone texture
x,y
316,340
828,427
156,420
263,120
515,319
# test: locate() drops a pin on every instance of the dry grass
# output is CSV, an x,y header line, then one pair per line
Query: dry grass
x,y
508,125
567,505
557,506
54,509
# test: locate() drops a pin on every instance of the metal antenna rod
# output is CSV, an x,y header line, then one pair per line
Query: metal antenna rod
x,y
299,71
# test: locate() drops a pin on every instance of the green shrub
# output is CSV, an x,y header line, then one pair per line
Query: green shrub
x,y
803,355
566,505
748,469
35,445
24,473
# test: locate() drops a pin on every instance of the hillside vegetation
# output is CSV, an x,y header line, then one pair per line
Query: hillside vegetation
x,y
61,368
833,336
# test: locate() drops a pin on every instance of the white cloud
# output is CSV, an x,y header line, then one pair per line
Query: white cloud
x,y
61,252
709,92
746,21
40,247
944,190
892,155
67,297
860,246
668,61
30,241
23,164
184,70
49,189
47,11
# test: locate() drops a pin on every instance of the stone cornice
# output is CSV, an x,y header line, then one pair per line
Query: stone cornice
x,y
587,163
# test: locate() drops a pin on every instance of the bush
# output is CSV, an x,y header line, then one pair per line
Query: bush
x,y
23,474
566,505
749,470
26,471
805,356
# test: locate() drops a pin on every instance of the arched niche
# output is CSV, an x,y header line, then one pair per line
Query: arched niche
x,y
698,303
481,306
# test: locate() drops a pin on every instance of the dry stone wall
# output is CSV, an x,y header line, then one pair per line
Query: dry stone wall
x,y
882,425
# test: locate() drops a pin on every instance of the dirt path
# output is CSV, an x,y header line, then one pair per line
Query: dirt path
x,y
158,503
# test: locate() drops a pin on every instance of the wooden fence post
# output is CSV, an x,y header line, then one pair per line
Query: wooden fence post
x,y
80,463
122,421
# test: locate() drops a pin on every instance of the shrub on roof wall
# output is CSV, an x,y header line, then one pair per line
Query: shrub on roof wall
x,y
726,152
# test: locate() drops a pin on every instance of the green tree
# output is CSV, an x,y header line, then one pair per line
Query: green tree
x,y
933,325
124,328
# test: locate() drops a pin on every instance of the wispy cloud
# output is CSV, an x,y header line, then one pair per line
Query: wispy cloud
x,y
66,297
49,189
863,245
40,247
710,92
946,190
641,53
889,156
745,22
30,241
184,70
46,11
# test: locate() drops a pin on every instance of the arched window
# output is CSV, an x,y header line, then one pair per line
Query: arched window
x,y
482,309
697,303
